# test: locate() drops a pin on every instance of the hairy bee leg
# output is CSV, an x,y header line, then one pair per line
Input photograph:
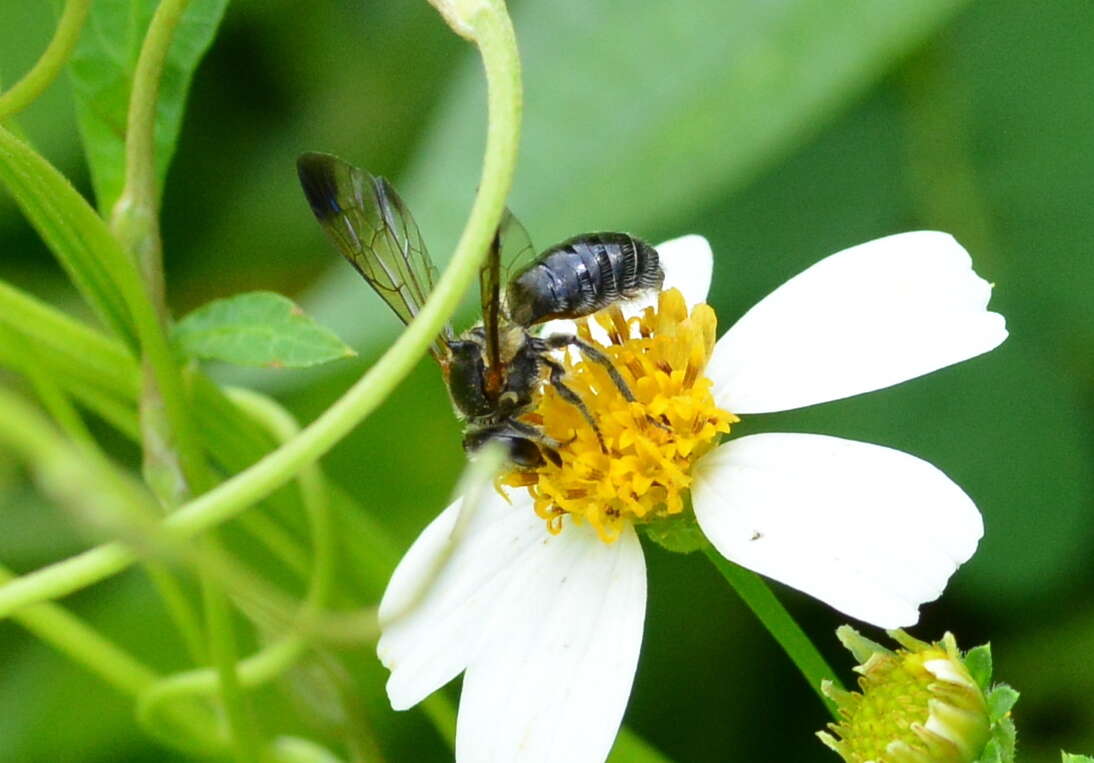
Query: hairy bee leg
x,y
557,375
560,341
548,445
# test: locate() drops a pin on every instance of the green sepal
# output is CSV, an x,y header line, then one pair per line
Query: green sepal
x,y
978,662
1000,701
679,533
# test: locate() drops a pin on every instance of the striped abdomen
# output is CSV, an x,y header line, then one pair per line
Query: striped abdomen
x,y
582,275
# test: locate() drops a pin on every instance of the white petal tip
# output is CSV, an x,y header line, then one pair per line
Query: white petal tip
x,y
862,319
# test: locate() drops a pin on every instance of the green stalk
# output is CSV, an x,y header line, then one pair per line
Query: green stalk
x,y
45,70
135,217
222,644
174,463
275,659
86,646
789,635
60,408
497,44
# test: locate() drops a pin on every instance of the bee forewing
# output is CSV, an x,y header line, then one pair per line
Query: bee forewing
x,y
372,228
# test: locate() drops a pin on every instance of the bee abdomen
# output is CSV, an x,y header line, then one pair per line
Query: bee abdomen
x,y
582,275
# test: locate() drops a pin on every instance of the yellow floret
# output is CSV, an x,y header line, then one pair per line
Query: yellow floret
x,y
651,442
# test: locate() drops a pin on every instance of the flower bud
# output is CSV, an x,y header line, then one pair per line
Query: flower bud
x,y
919,704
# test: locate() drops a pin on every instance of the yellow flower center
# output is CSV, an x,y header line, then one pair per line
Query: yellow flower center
x,y
650,443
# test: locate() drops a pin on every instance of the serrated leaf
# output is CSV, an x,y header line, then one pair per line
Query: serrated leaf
x,y
978,662
1000,700
101,72
258,328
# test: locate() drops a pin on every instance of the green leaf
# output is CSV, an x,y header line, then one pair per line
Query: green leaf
x,y
1000,700
1067,757
101,72
258,329
77,236
978,662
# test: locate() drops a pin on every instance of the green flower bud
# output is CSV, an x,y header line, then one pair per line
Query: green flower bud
x,y
919,704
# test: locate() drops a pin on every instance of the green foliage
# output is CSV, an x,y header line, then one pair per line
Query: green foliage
x,y
793,129
258,329
101,73
1067,757
76,235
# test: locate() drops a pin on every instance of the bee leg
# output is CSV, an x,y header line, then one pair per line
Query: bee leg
x,y
548,445
567,394
559,341
535,433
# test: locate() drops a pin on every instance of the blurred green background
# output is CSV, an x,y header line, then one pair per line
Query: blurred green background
x,y
782,131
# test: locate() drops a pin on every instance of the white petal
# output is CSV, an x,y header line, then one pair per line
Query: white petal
x,y
872,531
433,610
688,263
553,681
862,319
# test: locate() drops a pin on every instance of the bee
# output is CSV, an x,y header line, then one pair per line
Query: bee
x,y
493,370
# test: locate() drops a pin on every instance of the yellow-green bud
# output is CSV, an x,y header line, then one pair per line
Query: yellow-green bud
x,y
919,704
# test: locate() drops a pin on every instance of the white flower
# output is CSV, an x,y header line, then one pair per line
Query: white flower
x,y
547,626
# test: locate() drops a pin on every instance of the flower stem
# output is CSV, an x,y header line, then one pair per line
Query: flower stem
x,y
759,597
45,70
135,217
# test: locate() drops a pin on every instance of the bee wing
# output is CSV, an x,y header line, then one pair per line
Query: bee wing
x,y
509,249
372,228
516,249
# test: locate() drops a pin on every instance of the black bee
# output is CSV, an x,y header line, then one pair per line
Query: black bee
x,y
494,369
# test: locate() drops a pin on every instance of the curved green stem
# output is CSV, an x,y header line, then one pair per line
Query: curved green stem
x,y
86,646
497,43
222,647
281,424
135,217
45,70
274,659
801,651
